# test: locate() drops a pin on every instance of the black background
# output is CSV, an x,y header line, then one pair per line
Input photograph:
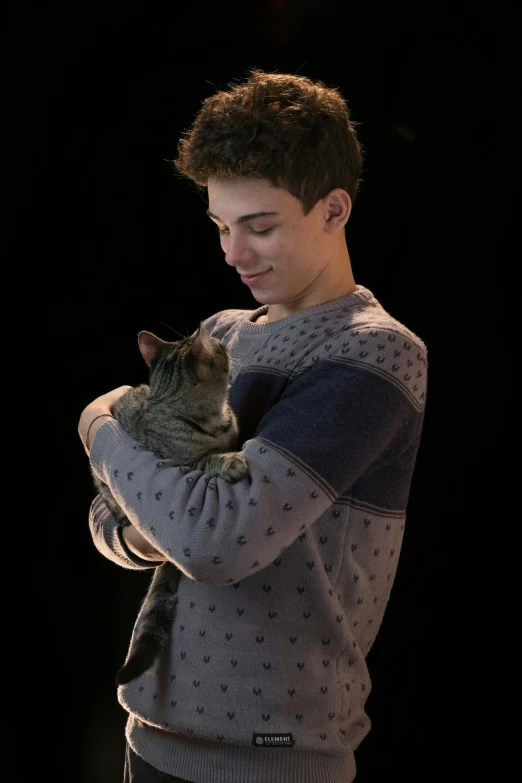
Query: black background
x,y
105,242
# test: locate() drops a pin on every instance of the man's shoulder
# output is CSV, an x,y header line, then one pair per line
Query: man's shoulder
x,y
366,339
378,324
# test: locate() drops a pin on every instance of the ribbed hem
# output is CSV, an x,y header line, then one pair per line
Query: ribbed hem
x,y
362,296
210,762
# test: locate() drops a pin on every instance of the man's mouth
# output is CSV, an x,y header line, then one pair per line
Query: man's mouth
x,y
249,279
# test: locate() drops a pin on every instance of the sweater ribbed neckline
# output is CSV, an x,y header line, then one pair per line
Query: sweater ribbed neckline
x,y
359,297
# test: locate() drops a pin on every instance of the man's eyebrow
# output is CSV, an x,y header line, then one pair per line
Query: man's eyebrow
x,y
244,218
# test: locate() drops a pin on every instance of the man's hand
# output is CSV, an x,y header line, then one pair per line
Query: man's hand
x,y
139,545
101,405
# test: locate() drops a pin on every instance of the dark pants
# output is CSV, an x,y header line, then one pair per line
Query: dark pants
x,y
138,771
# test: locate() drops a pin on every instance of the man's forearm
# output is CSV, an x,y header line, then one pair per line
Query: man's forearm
x,y
139,545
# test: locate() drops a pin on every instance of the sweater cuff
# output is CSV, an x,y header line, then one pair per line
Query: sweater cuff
x,y
122,547
107,537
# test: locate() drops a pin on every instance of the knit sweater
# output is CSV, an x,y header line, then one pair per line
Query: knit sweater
x,y
285,575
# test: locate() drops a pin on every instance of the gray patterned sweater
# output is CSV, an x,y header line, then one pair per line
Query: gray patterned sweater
x,y
285,575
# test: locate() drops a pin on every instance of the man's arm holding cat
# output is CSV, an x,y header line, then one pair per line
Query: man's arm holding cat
x,y
92,418
329,426
94,415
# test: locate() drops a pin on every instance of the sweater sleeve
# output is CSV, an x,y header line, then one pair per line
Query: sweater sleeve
x,y
334,424
107,538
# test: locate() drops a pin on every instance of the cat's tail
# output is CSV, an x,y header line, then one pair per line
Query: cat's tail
x,y
152,633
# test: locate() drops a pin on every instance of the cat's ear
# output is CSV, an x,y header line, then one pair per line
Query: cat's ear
x,y
150,346
201,346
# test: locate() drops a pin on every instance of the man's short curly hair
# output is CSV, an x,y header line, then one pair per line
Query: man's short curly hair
x,y
292,131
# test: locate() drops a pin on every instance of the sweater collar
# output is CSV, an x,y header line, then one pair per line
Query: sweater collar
x,y
361,297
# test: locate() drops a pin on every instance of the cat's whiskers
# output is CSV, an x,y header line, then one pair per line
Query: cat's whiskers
x,y
183,337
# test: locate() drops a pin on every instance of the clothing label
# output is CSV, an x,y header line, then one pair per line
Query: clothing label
x,y
273,740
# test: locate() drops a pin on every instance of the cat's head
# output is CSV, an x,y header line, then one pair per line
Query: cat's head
x,y
199,358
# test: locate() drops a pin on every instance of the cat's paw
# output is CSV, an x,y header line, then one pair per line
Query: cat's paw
x,y
233,468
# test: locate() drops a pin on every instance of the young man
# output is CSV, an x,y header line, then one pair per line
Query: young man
x,y
280,600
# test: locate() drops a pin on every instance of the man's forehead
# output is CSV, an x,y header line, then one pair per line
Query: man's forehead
x,y
242,200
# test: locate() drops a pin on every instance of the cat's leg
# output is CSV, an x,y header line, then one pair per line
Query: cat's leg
x,y
230,466
153,628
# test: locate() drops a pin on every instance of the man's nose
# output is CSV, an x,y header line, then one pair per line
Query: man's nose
x,y
237,251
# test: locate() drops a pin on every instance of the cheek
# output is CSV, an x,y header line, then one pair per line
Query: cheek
x,y
275,248
295,250
288,252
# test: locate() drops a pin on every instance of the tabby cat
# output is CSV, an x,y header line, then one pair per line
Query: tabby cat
x,y
183,416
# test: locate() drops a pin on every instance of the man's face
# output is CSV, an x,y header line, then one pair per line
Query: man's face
x,y
294,251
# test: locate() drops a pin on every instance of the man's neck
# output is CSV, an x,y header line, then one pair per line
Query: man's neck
x,y
278,311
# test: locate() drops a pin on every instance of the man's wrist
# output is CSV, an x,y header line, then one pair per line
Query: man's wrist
x,y
90,422
94,426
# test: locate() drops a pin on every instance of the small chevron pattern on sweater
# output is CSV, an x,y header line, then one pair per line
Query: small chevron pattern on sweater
x,y
285,576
